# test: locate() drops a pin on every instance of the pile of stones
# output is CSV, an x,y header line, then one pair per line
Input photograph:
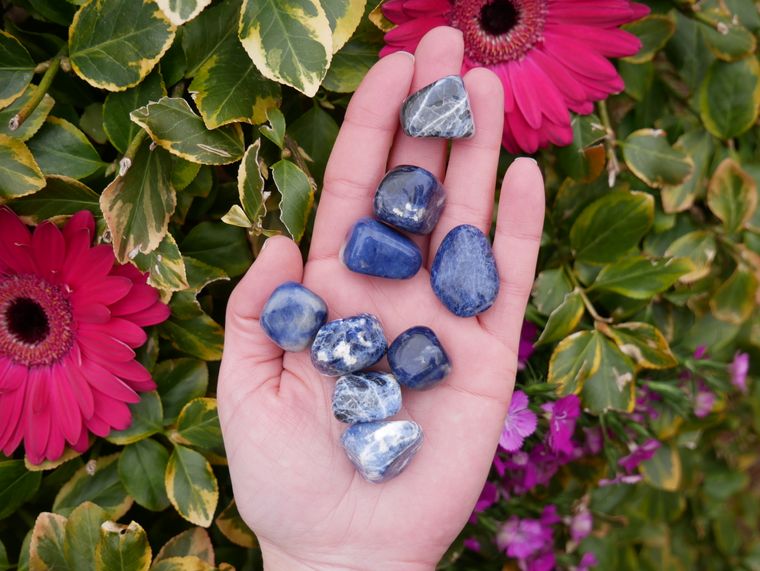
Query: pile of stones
x,y
463,276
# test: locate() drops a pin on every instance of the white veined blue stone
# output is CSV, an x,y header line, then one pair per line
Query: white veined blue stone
x,y
441,109
381,450
292,316
347,345
366,396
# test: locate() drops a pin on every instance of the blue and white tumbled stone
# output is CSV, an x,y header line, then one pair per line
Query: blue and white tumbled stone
x,y
441,109
464,274
374,249
347,345
381,450
417,358
292,316
365,397
410,198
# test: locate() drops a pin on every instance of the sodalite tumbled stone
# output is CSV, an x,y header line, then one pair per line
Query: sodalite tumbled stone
x,y
365,397
464,274
410,198
292,316
347,345
417,358
376,250
381,450
441,109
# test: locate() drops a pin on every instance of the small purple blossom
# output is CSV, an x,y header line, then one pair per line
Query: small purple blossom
x,y
700,352
544,562
704,400
527,338
472,544
550,516
581,525
487,498
639,453
520,423
739,369
521,538
588,561
564,413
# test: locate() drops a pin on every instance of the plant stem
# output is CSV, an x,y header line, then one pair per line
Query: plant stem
x,y
586,301
613,166
52,69
129,155
295,151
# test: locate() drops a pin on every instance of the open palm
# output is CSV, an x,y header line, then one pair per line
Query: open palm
x,y
293,483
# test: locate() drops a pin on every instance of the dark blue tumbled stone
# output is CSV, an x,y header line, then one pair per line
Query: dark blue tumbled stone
x,y
365,397
292,316
441,109
417,358
376,250
381,450
464,274
347,345
410,198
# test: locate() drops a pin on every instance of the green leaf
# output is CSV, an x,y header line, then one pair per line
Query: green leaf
x,y
563,320
183,173
611,226
60,148
344,17
165,265
141,468
584,158
192,487
297,196
732,195
181,11
251,185
137,206
643,343
82,535
91,122
53,11
228,88
198,426
97,482
290,41
180,381
114,44
697,144
234,528
207,33
147,419
611,386
650,157
727,38
4,563
219,245
117,107
315,131
60,196
641,278
729,98
187,563
355,58
190,330
16,69
574,360
17,485
654,31
19,173
735,299
173,125
122,548
200,274
550,289
193,542
700,248
663,470
275,131
46,549
33,122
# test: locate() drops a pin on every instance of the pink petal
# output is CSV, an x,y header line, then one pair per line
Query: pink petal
x,y
49,250
90,312
82,220
103,381
115,413
158,313
14,241
94,343
121,329
11,407
79,388
106,290
11,375
68,416
140,297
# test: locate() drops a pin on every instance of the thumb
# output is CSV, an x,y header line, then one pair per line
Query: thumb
x,y
250,359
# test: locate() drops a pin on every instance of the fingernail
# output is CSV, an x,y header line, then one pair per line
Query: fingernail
x,y
409,54
264,245
535,162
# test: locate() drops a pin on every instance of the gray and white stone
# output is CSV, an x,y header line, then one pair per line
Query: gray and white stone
x,y
366,397
441,109
381,450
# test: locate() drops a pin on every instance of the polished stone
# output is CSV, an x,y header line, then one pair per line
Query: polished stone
x,y
417,358
347,345
374,249
410,198
441,109
464,274
292,316
366,396
381,450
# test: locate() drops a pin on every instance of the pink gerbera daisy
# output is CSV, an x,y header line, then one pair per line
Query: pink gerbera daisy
x,y
69,321
551,55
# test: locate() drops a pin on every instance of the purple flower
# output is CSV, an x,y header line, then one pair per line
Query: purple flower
x,y
544,562
700,352
527,338
487,498
472,544
521,538
594,440
621,479
564,413
581,525
703,401
739,368
588,561
639,454
550,516
519,424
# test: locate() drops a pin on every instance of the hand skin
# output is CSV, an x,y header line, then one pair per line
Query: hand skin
x,y
293,484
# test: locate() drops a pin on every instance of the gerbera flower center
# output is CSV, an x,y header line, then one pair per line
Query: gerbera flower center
x,y
36,321
498,31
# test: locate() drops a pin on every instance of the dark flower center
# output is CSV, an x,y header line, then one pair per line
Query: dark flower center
x,y
498,17
27,321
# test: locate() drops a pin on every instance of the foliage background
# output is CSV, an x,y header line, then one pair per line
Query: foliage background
x,y
651,251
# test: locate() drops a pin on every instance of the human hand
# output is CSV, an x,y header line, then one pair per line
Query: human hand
x,y
293,483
